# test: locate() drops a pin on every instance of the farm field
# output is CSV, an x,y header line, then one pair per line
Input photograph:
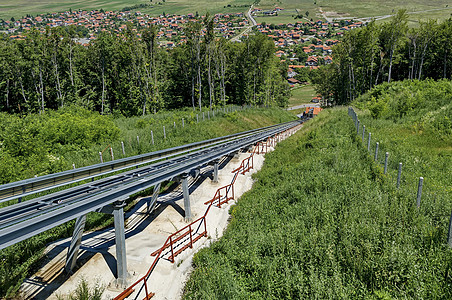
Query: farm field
x,y
354,9
19,8
323,221
333,8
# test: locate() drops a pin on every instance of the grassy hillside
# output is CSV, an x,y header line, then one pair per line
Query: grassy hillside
x,y
19,8
53,141
435,9
324,222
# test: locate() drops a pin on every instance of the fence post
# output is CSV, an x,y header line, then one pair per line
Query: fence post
x,y
164,133
419,191
111,152
123,150
152,137
357,128
73,166
386,162
399,175
101,158
183,123
138,140
376,152
368,141
364,130
174,124
449,235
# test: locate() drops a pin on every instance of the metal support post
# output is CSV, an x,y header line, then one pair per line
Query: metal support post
x,y
112,155
123,150
152,137
357,128
376,151
138,140
364,130
72,252
155,195
73,166
183,123
164,133
215,171
368,141
399,175
419,191
386,162
120,239
101,158
186,193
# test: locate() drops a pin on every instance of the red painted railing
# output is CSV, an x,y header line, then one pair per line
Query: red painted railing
x,y
187,236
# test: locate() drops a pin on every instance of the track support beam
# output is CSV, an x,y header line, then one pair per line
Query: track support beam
x,y
120,239
72,253
186,193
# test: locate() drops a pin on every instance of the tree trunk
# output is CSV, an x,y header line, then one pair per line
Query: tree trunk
x,y
7,93
103,91
41,83
70,63
390,63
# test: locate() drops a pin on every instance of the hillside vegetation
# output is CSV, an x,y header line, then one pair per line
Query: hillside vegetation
x,y
381,53
323,221
41,144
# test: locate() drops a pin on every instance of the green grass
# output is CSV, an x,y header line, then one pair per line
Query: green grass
x,y
19,8
366,8
302,95
352,8
323,222
20,260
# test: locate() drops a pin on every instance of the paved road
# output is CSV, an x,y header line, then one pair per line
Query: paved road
x,y
248,29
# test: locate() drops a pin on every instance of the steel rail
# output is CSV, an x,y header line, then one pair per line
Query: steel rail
x,y
56,214
26,187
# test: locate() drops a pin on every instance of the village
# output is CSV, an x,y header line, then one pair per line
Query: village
x,y
304,44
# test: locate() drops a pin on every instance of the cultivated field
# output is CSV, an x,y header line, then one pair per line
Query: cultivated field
x,y
19,8
438,9
418,9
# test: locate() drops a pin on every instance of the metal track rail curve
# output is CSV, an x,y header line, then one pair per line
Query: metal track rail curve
x,y
26,187
26,219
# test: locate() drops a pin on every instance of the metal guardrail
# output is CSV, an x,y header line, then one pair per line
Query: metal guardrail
x,y
18,189
53,212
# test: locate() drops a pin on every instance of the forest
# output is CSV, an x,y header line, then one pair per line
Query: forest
x,y
128,74
391,51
